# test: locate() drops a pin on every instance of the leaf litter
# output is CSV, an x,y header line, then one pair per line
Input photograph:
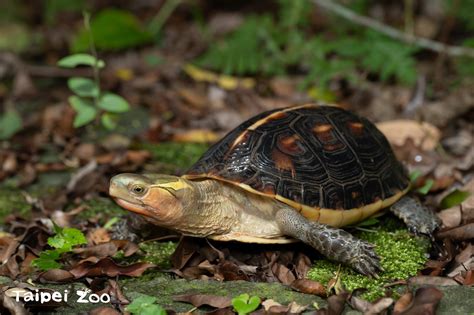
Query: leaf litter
x,y
189,108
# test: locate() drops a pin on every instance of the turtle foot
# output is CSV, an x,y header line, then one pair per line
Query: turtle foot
x,y
417,217
364,259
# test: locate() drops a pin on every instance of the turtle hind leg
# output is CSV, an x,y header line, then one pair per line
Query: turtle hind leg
x,y
417,217
335,244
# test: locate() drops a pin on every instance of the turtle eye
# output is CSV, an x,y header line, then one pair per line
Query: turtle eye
x,y
138,189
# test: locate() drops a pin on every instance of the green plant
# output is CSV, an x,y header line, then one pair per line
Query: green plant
x,y
145,305
62,242
89,101
271,46
10,123
454,198
244,304
112,29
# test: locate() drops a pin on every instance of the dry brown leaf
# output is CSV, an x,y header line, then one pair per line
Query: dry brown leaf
x,y
196,135
309,287
460,233
379,307
431,280
402,303
269,303
450,217
107,267
55,276
425,302
8,246
424,135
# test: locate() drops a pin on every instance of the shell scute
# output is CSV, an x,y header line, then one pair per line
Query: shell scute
x,y
313,156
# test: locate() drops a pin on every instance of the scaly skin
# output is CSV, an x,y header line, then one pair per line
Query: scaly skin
x,y
334,243
417,217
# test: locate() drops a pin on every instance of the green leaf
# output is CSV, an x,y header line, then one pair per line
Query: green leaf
x,y
426,187
56,241
113,103
144,305
109,120
73,237
369,222
75,60
85,111
10,123
83,87
109,224
414,175
245,304
47,260
454,198
112,29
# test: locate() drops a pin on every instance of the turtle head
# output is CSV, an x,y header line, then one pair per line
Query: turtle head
x,y
157,197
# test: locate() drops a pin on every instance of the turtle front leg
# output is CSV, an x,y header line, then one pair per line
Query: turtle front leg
x,y
417,217
335,244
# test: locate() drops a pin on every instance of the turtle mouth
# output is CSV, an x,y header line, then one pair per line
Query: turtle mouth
x,y
130,206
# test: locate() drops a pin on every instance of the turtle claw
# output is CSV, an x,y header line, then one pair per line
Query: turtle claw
x,y
366,261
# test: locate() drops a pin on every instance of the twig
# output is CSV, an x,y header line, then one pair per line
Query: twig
x,y
159,20
394,33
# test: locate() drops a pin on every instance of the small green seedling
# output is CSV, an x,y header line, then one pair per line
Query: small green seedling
x,y
63,242
89,100
414,176
244,304
145,305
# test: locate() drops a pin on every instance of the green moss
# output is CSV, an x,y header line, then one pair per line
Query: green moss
x,y
102,208
13,201
173,156
158,253
402,255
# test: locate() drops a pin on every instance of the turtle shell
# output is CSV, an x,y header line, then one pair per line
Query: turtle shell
x,y
328,163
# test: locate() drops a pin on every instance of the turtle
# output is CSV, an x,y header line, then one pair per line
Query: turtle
x,y
299,173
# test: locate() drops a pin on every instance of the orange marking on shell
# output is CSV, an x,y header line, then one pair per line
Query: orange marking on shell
x,y
290,143
333,147
269,190
356,128
240,139
323,133
322,128
274,116
283,162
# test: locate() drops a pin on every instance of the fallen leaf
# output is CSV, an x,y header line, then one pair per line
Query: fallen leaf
x,y
460,233
425,302
402,303
269,303
107,267
450,217
424,135
203,299
8,246
108,249
379,307
431,280
309,287
196,136
55,276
